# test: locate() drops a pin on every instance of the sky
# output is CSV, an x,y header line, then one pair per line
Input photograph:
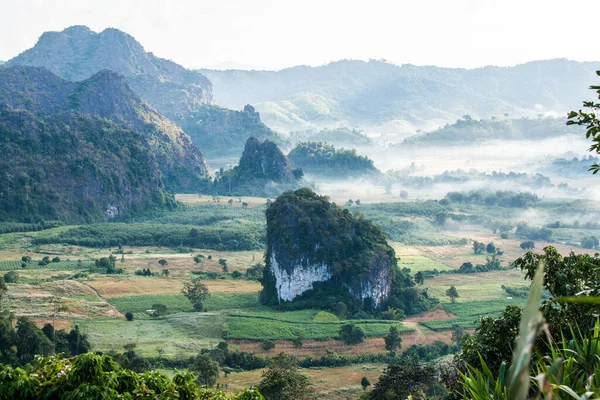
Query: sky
x,y
275,34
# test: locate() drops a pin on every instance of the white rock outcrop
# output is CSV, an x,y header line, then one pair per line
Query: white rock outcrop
x,y
299,280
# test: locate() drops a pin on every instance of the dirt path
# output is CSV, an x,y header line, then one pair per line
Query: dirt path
x,y
115,311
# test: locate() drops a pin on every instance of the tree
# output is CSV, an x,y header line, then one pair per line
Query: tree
x,y
365,383
78,342
129,316
298,341
268,345
3,290
207,370
282,381
162,262
527,245
478,247
31,341
11,277
352,334
198,258
490,248
196,292
108,264
457,334
452,293
165,272
402,379
591,121
393,341
223,264
588,242
26,259
159,309
56,259
420,278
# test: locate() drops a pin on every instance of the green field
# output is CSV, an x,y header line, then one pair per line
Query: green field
x,y
180,335
179,303
418,263
469,313
283,326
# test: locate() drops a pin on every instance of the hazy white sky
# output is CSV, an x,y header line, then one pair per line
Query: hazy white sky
x,y
282,33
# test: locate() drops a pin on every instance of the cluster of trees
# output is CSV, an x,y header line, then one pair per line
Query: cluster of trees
x,y
90,376
323,159
230,238
525,230
490,248
499,198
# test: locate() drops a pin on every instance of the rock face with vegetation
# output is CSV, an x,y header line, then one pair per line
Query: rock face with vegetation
x,y
74,168
322,159
106,95
263,171
311,240
182,95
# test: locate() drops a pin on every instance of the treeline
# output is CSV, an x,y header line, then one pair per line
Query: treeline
x,y
229,238
534,181
324,159
10,227
499,198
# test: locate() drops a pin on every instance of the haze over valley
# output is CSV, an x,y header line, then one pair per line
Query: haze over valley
x,y
350,228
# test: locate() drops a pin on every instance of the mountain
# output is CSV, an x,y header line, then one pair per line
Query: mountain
x,y
221,132
379,94
107,95
319,254
74,167
322,159
263,170
469,131
182,95
77,53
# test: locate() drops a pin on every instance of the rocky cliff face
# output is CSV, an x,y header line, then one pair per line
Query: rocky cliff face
x,y
107,95
311,240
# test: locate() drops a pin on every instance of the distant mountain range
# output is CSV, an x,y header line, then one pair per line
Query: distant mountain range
x,y
468,131
179,94
380,95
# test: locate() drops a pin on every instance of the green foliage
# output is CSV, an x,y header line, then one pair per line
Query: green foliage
x,y
402,379
393,340
365,383
321,159
452,293
90,376
11,277
196,292
498,198
352,334
129,316
527,245
207,370
141,234
283,381
591,122
101,168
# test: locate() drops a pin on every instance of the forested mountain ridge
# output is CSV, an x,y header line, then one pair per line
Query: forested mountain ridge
x,y
182,95
376,93
107,95
263,170
77,53
469,131
74,167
